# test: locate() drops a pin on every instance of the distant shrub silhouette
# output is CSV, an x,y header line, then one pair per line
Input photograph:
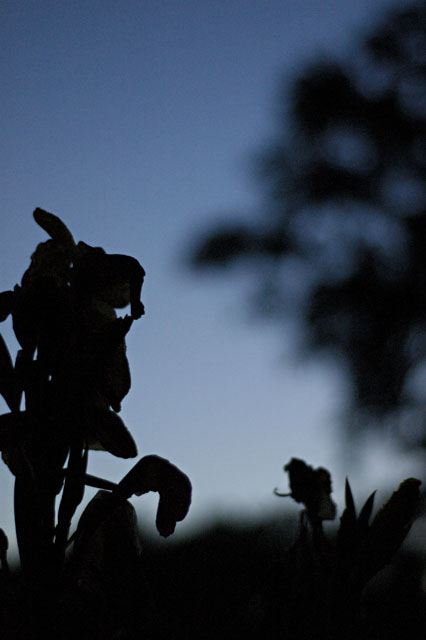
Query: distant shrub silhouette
x,y
338,242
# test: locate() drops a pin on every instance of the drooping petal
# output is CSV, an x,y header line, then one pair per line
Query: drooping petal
x,y
153,473
105,430
54,226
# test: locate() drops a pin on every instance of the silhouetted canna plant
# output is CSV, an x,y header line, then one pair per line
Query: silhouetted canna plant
x,y
73,371
325,579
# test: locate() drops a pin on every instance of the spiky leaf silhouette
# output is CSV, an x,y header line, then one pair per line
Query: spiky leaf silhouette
x,y
346,538
387,531
7,377
352,531
364,516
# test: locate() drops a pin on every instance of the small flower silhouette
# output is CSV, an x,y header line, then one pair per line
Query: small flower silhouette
x,y
311,487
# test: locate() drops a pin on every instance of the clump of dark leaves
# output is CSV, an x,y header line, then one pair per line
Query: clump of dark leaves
x,y
73,372
326,578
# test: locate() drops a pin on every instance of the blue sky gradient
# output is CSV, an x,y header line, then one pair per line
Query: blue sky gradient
x,y
135,123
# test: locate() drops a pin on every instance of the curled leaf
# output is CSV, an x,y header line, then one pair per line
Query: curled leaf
x,y
153,473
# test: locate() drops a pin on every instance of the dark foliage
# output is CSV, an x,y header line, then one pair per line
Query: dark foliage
x,y
73,373
235,580
344,215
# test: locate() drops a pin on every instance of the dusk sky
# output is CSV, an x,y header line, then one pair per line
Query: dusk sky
x,y
136,122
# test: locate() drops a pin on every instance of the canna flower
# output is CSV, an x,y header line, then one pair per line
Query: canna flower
x,y
311,487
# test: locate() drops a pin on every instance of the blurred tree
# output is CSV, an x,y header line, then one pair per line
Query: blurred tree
x,y
341,237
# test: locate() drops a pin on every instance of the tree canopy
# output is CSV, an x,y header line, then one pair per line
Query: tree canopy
x,y
344,207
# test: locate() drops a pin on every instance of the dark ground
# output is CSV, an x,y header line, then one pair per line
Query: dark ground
x,y
229,581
